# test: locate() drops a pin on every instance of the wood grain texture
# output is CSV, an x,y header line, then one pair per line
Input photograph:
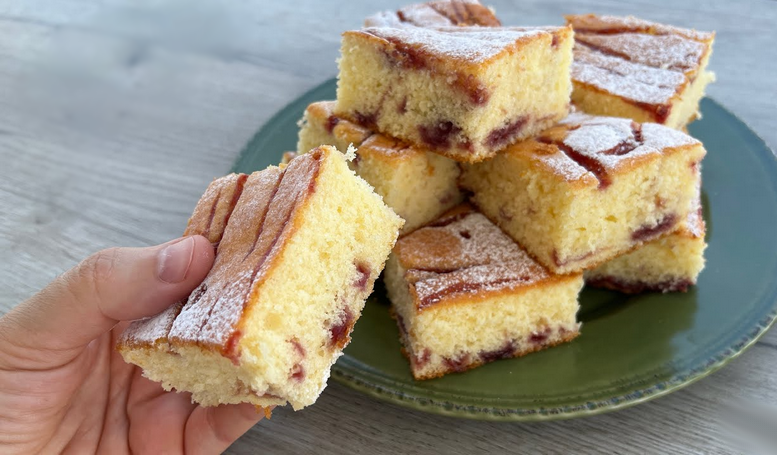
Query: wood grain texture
x,y
108,136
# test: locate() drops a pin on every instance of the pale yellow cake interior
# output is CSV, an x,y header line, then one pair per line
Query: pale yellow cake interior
x,y
673,258
481,323
312,282
419,185
533,82
569,227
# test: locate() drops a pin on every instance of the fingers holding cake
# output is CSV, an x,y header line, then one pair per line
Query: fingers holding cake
x,y
117,284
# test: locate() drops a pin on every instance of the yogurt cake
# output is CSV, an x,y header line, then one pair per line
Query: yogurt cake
x,y
632,68
419,185
436,14
464,294
465,92
301,248
668,264
589,189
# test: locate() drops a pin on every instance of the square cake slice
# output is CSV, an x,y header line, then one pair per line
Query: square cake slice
x,y
419,185
437,13
299,255
668,264
464,294
629,67
589,189
465,92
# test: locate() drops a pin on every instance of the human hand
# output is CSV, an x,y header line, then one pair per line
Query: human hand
x,y
63,386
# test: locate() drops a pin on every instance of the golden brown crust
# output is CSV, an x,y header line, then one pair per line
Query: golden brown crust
x,y
462,258
387,148
645,64
287,157
263,219
454,50
589,151
373,145
214,208
436,13
209,219
323,113
592,23
569,336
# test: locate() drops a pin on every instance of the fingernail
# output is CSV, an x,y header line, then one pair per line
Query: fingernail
x,y
175,260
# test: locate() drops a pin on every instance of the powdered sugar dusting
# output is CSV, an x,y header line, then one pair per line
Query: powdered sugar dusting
x,y
615,24
669,52
254,235
635,59
596,136
695,222
150,330
466,45
565,166
623,78
385,19
604,143
464,253
434,14
662,137
423,15
209,218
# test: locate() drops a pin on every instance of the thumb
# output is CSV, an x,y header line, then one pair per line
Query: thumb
x,y
112,285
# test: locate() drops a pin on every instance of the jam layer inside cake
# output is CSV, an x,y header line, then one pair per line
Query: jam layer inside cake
x,y
298,257
464,293
589,189
670,263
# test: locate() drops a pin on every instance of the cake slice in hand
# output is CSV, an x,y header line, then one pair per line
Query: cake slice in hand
x,y
589,189
465,92
418,184
436,13
298,257
649,72
463,294
670,263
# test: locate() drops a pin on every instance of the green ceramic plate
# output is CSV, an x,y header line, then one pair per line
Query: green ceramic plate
x,y
631,349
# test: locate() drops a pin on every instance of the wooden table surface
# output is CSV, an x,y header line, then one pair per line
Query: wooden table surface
x,y
113,119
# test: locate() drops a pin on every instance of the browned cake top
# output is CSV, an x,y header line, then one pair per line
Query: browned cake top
x,y
435,14
258,228
212,212
209,218
288,156
463,254
641,61
323,112
368,143
591,23
418,48
582,146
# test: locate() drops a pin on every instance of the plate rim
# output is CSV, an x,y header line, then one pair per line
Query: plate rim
x,y
343,373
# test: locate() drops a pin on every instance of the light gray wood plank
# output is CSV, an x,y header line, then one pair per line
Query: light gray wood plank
x,y
121,161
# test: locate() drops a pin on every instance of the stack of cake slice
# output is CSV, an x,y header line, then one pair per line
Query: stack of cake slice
x,y
447,106
511,203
